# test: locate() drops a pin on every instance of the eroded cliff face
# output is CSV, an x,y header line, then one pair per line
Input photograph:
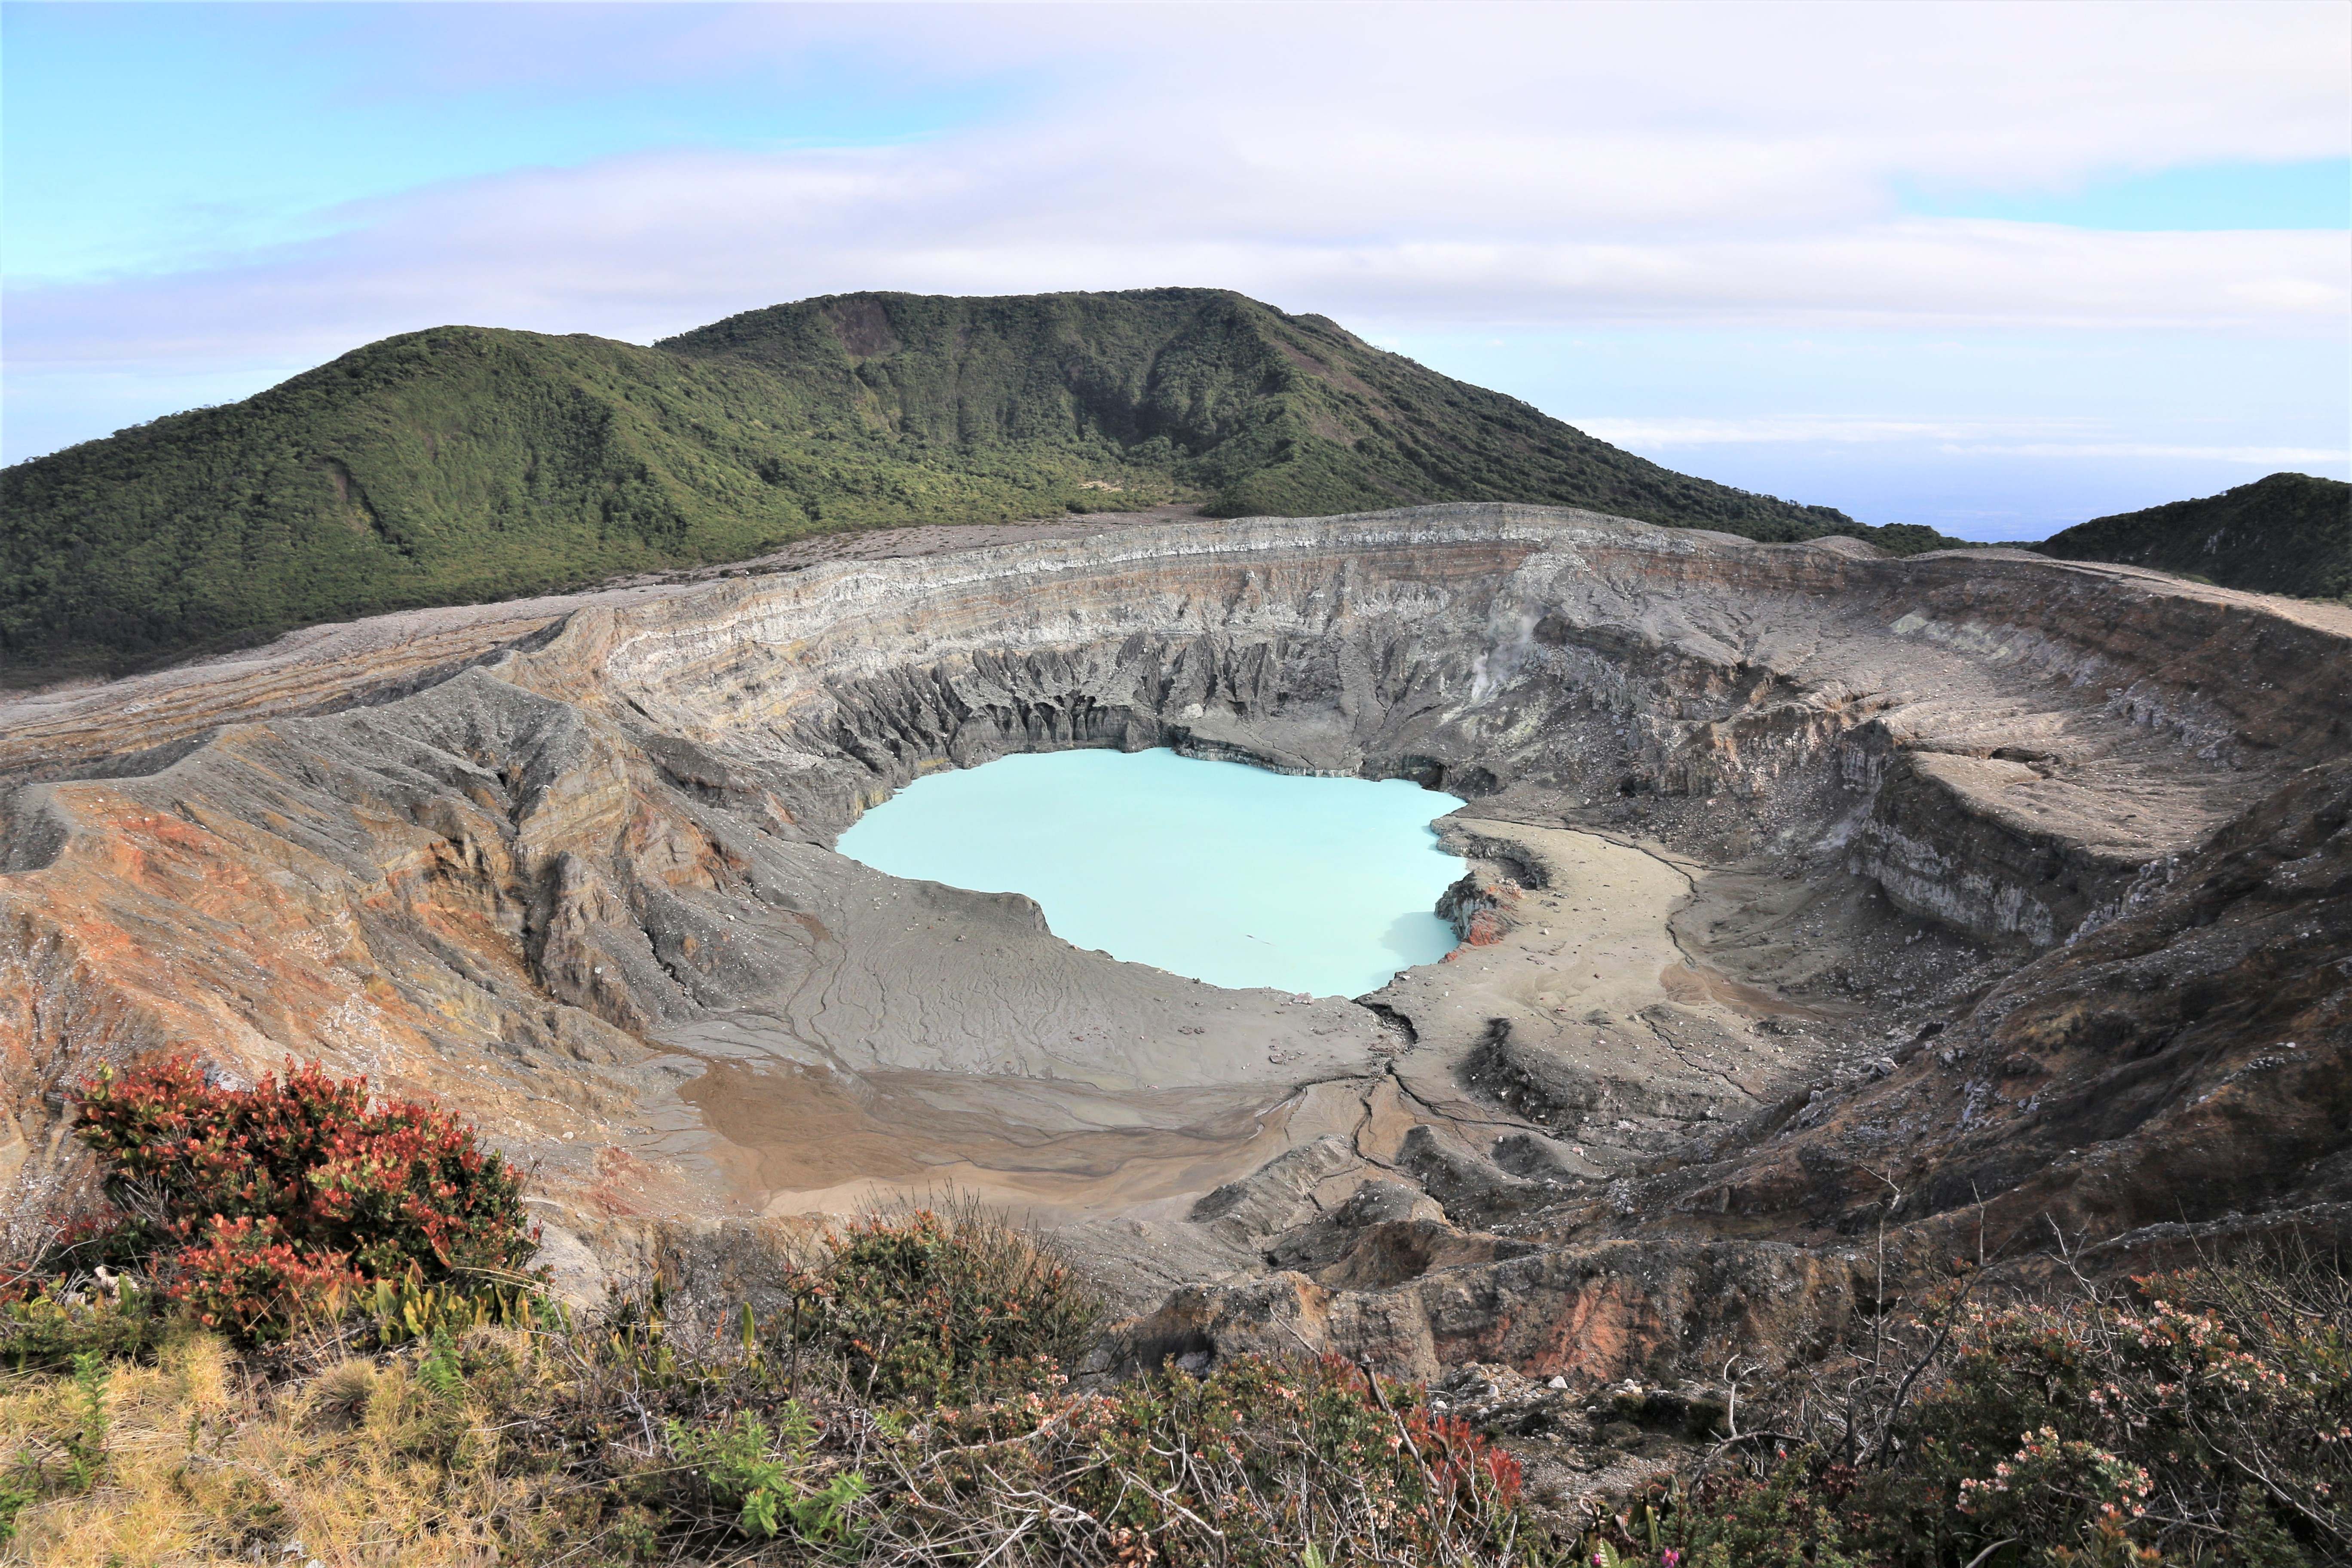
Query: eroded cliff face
x,y
2170,1084
567,864
2186,1056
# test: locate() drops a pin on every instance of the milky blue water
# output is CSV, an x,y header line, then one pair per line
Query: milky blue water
x,y
1226,873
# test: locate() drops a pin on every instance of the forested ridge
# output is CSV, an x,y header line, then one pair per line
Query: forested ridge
x,y
2289,533
463,464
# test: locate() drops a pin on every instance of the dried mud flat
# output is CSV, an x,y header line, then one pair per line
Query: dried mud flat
x,y
1794,871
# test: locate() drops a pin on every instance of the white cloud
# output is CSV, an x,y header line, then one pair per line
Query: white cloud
x,y
1811,431
640,246
2252,457
2086,439
1403,167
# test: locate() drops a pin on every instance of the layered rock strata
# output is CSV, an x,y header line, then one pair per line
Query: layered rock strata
x,y
1744,816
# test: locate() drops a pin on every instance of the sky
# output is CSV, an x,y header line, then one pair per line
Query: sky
x,y
1993,267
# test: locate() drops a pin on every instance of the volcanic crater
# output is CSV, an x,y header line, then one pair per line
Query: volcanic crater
x,y
1803,876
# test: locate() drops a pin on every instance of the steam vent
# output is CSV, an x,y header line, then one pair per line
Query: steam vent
x,y
1814,895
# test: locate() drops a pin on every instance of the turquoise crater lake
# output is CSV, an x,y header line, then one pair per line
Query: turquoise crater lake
x,y
1229,874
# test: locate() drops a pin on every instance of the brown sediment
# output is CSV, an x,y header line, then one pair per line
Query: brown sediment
x,y
801,1138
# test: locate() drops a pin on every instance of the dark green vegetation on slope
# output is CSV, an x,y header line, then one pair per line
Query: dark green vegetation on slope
x,y
466,464
2290,533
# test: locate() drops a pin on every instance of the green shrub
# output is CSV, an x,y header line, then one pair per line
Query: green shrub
x,y
72,1462
2204,1418
766,1474
1257,1464
58,1321
408,1309
85,1447
17,1492
929,1306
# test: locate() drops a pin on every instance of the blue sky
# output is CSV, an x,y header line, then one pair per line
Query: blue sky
x,y
148,136
1994,268
2309,193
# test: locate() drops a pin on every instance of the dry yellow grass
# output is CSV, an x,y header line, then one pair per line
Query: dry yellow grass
x,y
362,1463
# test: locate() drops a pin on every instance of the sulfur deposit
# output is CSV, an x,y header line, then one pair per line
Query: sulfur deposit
x,y
1814,891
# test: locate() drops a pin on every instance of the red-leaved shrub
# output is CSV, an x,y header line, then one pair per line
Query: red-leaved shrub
x,y
259,1207
245,1279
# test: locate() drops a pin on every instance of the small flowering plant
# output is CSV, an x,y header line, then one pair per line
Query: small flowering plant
x,y
2049,1473
2121,1419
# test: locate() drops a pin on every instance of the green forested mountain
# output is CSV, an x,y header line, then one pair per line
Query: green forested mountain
x,y
2290,533
464,463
